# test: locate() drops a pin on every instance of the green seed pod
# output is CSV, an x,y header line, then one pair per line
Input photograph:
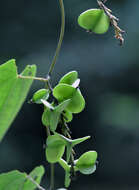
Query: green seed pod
x,y
63,92
94,20
40,94
77,102
86,164
69,78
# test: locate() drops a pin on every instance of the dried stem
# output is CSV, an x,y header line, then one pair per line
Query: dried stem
x,y
114,21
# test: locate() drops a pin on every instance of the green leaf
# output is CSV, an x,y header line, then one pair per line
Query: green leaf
x,y
69,78
13,91
12,180
36,175
86,163
16,180
55,148
63,92
77,102
40,94
94,20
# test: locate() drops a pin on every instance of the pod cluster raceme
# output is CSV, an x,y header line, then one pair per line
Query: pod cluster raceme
x,y
94,20
67,100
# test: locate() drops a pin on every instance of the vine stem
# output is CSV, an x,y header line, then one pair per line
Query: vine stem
x,y
60,38
51,70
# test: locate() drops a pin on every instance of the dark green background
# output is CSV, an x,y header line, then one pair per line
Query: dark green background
x,y
109,75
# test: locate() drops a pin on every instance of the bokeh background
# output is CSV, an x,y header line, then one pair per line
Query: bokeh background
x,y
109,75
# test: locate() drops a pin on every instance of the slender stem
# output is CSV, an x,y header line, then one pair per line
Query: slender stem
x,y
51,70
60,38
52,182
33,78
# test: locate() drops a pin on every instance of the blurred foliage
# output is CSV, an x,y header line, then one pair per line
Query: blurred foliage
x,y
110,78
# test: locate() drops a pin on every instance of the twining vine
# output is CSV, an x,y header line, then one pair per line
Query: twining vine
x,y
62,102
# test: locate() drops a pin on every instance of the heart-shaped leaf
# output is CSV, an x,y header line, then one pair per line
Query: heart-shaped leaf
x,y
94,20
13,91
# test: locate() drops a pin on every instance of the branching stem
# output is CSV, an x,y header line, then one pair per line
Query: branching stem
x,y
33,78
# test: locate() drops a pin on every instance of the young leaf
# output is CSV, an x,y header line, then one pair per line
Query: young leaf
x,y
86,163
13,91
69,78
94,20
